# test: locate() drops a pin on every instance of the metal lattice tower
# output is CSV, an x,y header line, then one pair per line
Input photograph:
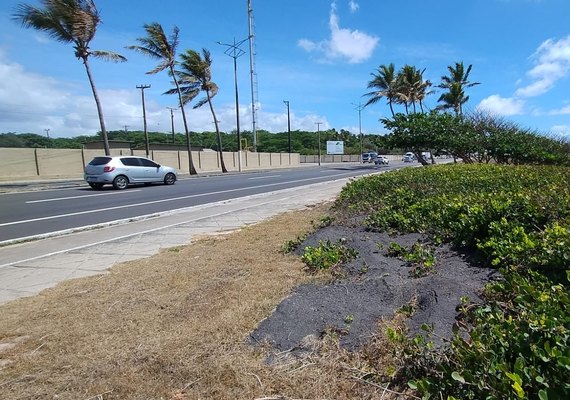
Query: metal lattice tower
x,y
253,74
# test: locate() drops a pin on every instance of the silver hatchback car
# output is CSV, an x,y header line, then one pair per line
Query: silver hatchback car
x,y
124,170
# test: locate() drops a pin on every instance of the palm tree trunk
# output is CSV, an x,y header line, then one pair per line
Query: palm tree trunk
x,y
192,170
223,165
99,108
391,107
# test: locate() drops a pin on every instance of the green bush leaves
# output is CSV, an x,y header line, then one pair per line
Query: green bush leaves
x,y
517,219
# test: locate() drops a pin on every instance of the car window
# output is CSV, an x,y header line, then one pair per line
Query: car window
x,y
130,161
148,163
100,161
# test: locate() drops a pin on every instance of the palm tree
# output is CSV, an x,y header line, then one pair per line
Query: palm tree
x,y
411,87
71,21
194,76
455,84
158,46
422,88
384,85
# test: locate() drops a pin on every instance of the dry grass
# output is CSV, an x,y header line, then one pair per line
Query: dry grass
x,y
174,326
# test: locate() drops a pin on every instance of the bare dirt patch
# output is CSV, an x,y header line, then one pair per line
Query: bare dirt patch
x,y
180,325
375,286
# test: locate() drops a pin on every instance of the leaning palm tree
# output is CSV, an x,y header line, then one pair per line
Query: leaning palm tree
x,y
384,85
194,76
158,46
71,21
455,84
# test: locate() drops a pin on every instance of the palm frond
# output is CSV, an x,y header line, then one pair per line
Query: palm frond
x,y
108,56
200,102
160,67
158,46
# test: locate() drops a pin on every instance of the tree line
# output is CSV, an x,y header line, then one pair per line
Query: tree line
x,y
302,142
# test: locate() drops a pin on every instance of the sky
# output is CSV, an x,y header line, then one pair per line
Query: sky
x,y
317,55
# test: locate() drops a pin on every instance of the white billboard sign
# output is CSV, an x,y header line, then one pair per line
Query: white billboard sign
x,y
335,147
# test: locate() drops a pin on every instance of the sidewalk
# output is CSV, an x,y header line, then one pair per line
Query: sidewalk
x,y
28,268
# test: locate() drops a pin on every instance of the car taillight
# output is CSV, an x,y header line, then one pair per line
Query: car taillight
x,y
108,169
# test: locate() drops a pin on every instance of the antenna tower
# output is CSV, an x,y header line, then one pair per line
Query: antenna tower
x,y
253,74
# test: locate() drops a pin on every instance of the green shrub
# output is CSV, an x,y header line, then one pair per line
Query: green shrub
x,y
327,255
516,345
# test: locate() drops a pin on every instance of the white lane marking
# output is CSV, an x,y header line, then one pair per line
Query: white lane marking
x,y
81,197
264,177
138,232
160,201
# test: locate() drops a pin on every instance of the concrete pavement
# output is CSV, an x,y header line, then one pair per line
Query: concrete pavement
x,y
28,268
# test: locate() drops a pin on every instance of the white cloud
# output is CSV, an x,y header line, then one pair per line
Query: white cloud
x,y
352,45
353,6
307,45
561,111
561,130
552,63
498,105
31,102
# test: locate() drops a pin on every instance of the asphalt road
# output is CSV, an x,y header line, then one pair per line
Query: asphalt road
x,y
39,213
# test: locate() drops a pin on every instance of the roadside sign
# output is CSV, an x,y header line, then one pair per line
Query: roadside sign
x,y
335,147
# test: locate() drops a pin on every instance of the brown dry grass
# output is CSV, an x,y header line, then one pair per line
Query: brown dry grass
x,y
174,326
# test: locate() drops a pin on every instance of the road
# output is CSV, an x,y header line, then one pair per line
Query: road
x,y
40,213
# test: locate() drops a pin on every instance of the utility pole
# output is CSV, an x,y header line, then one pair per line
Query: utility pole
x,y
142,88
359,107
252,72
234,51
47,134
172,121
288,123
319,139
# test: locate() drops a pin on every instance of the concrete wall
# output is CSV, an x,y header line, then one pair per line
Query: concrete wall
x,y
17,164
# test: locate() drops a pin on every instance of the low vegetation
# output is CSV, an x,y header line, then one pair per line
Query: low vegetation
x,y
327,255
515,218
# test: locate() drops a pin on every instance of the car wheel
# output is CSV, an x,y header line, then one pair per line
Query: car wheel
x,y
96,186
169,179
120,182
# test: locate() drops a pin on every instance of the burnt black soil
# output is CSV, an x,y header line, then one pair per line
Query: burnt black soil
x,y
373,286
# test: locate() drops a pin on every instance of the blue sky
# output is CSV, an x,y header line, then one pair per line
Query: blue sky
x,y
316,54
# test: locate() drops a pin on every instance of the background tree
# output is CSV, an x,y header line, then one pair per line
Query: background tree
x,y
195,75
158,46
455,84
384,84
71,21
